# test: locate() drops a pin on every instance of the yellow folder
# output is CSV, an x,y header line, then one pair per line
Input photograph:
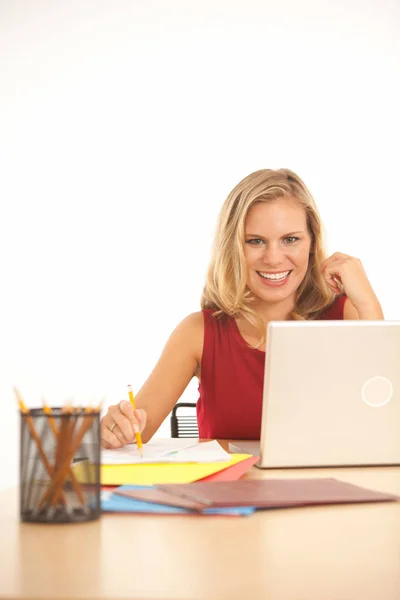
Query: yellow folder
x,y
153,473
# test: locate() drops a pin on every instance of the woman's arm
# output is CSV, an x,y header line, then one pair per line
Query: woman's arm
x,y
367,312
178,363
175,368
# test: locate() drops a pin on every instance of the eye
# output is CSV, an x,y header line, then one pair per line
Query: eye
x,y
291,240
255,242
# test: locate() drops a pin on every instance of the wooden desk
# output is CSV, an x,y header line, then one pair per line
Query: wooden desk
x,y
322,553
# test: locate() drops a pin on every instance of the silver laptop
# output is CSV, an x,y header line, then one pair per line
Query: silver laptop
x,y
331,395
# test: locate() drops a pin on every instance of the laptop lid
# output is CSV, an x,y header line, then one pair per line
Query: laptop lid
x,y
331,394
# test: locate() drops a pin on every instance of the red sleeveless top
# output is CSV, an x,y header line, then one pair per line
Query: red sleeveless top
x,y
232,376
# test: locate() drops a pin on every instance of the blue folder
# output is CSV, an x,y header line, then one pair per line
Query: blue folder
x,y
111,502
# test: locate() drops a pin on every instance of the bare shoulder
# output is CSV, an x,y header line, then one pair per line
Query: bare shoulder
x,y
193,324
190,331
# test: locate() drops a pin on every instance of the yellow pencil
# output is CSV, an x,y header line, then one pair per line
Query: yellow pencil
x,y
137,435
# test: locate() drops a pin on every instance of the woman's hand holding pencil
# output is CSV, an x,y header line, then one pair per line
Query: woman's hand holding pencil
x,y
122,425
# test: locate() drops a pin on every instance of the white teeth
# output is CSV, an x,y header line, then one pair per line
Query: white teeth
x,y
274,275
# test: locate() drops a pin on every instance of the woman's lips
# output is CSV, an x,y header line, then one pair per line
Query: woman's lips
x,y
274,282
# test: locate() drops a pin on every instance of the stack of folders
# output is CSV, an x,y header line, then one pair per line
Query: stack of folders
x,y
188,477
244,497
168,462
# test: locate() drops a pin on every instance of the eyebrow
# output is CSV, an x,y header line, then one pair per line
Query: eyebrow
x,y
256,235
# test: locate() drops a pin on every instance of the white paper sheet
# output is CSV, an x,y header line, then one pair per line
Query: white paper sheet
x,y
166,451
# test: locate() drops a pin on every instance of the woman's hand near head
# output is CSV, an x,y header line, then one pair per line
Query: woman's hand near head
x,y
346,274
119,425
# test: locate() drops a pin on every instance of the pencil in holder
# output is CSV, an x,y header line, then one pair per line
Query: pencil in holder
x,y
60,465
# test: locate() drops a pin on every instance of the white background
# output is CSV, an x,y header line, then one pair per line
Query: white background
x,y
123,127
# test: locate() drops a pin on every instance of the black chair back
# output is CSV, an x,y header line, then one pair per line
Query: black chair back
x,y
184,421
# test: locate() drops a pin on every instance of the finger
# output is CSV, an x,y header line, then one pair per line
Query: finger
x,y
108,425
142,419
141,416
334,270
335,288
336,257
339,256
105,445
333,283
108,438
135,416
125,425
127,409
110,422
339,283
116,430
333,277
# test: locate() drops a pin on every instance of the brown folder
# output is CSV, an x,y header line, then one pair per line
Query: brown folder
x,y
272,493
159,497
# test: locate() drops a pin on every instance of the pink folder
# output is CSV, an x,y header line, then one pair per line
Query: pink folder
x,y
234,472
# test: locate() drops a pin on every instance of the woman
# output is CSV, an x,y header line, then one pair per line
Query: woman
x,y
268,264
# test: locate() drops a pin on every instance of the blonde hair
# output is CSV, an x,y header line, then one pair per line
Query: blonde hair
x,y
226,289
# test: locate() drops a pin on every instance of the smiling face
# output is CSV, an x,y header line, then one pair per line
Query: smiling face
x,y
277,248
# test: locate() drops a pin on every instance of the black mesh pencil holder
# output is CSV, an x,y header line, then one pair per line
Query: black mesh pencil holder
x,y
60,465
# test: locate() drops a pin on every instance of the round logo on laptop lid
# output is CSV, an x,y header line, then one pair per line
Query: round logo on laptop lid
x,y
377,391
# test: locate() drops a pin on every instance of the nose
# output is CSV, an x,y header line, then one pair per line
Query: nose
x,y
273,255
